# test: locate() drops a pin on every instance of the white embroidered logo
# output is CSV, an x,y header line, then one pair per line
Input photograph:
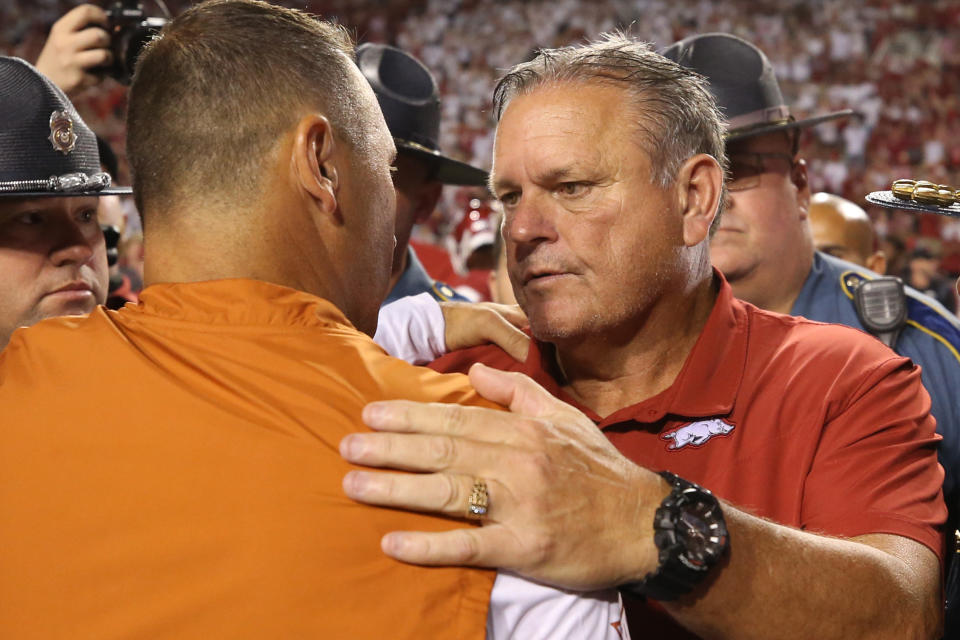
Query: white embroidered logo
x,y
697,433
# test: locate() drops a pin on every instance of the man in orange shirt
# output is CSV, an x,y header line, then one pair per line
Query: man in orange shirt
x,y
261,163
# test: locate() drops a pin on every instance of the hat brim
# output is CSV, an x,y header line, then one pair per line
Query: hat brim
x,y
109,191
758,130
887,200
447,170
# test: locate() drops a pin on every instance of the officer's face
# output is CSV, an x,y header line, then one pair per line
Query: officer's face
x,y
416,198
53,260
590,239
761,233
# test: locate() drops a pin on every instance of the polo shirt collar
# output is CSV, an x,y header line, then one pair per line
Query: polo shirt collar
x,y
236,302
706,386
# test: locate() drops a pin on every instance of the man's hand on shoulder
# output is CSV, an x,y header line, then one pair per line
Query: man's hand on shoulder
x,y
566,508
472,324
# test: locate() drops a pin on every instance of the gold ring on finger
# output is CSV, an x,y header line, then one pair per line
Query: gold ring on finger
x,y
479,500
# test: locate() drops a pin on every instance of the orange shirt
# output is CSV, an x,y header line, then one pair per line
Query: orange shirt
x,y
215,508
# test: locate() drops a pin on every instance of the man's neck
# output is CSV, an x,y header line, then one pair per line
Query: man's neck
x,y
174,253
609,372
774,290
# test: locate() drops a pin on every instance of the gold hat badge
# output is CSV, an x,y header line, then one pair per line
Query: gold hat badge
x,y
62,136
925,192
918,195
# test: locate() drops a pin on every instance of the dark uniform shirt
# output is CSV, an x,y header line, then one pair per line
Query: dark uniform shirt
x,y
415,280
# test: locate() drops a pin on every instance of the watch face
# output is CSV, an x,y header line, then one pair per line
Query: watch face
x,y
704,537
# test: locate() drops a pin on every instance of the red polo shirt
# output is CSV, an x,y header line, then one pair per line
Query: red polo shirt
x,y
812,425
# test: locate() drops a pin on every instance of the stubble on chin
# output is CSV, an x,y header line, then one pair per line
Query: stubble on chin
x,y
556,328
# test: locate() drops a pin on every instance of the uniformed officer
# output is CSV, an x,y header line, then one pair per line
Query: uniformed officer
x,y
926,197
410,100
844,230
53,255
764,247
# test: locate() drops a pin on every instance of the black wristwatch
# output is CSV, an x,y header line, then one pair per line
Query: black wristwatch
x,y
691,534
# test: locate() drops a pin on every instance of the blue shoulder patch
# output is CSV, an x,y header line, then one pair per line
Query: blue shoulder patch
x,y
850,280
922,314
935,322
444,292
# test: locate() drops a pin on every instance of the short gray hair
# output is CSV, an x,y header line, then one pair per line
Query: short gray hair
x,y
681,116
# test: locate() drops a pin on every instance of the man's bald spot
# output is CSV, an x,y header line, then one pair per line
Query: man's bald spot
x,y
838,224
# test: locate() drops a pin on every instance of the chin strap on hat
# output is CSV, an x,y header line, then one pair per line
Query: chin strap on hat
x,y
66,183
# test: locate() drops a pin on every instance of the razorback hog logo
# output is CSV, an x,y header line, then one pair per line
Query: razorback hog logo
x,y
697,433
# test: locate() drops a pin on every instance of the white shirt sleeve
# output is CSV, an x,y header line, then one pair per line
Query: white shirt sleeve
x,y
412,329
524,610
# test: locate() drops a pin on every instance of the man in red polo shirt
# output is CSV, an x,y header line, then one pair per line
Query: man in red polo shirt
x,y
816,438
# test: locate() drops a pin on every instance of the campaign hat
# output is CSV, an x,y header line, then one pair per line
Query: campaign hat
x,y
410,101
744,84
46,149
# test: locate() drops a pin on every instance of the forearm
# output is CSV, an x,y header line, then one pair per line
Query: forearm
x,y
784,583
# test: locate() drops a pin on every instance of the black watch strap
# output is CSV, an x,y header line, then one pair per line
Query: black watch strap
x,y
675,576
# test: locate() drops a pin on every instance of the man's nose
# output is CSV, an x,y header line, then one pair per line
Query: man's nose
x,y
530,222
72,244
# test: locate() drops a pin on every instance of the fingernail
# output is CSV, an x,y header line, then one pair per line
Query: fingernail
x,y
354,484
351,447
374,413
392,544
477,367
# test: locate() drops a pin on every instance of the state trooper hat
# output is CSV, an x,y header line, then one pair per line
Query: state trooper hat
x,y
46,150
921,196
410,102
743,82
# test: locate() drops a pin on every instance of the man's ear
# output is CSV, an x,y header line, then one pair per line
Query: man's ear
x,y
700,183
798,176
314,168
877,262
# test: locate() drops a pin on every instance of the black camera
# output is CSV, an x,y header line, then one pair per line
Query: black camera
x,y
111,237
130,29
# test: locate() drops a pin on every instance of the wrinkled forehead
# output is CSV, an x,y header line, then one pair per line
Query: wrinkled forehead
x,y
583,117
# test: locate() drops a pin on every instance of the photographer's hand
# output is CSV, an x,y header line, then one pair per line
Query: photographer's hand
x,y
76,45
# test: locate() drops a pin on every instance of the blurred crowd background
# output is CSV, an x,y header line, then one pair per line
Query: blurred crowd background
x,y
897,64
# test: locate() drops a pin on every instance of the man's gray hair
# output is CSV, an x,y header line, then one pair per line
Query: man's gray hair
x,y
680,117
